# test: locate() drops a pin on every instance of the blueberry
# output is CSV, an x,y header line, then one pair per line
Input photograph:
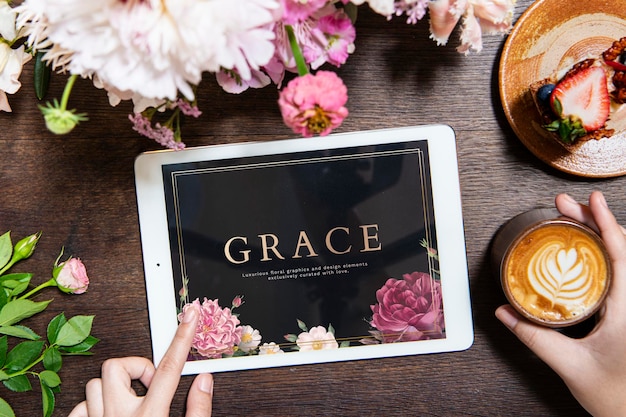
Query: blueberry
x,y
622,58
544,92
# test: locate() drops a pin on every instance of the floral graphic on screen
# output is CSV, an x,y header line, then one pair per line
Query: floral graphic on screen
x,y
408,309
316,338
218,331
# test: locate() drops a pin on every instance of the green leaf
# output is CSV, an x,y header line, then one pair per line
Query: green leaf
x,y
6,249
50,378
81,348
22,332
74,331
42,75
18,276
18,289
18,310
54,326
4,298
18,383
5,409
52,359
47,399
3,376
4,348
23,355
302,326
331,329
345,343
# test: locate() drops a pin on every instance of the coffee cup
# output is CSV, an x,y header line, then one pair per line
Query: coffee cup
x,y
555,271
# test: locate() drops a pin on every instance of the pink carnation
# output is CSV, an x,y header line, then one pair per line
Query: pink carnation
x,y
409,309
218,330
314,104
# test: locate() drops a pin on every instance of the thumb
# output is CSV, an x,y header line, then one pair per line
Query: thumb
x,y
200,398
552,347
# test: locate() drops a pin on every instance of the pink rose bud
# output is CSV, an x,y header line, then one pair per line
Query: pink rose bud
x,y
71,276
237,301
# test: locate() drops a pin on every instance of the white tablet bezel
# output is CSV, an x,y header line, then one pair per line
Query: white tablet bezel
x,y
449,228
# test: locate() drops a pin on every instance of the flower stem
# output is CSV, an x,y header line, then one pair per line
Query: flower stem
x,y
50,283
67,90
297,52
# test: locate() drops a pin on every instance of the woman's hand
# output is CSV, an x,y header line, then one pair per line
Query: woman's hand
x,y
113,396
594,367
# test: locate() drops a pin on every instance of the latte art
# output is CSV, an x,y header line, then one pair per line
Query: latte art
x,y
560,275
556,273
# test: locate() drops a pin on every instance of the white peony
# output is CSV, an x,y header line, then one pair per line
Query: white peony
x,y
11,63
152,49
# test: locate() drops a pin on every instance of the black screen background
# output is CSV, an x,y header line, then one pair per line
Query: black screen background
x,y
210,202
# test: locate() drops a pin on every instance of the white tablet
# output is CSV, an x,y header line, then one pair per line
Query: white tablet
x,y
301,251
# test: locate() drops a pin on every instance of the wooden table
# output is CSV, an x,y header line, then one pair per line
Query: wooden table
x,y
79,190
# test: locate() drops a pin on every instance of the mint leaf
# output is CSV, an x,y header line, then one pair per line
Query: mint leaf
x,y
19,383
74,331
18,310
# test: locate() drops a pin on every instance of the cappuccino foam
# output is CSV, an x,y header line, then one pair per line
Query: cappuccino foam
x,y
556,273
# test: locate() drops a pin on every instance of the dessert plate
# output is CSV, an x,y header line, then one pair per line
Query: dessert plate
x,y
547,38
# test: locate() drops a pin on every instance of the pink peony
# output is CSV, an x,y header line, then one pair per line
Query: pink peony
x,y
409,309
71,276
218,330
314,104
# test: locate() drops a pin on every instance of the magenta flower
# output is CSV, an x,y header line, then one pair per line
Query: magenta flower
x,y
218,330
314,104
409,309
71,276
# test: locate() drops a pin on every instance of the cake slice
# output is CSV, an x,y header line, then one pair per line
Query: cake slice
x,y
576,106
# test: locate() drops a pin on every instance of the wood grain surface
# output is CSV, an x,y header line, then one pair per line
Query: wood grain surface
x,y
79,190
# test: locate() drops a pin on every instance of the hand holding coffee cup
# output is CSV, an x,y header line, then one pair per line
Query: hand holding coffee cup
x,y
554,270
593,367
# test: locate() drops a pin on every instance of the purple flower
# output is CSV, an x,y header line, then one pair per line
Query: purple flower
x,y
409,309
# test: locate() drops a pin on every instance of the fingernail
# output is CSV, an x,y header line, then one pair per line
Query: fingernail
x,y
603,200
570,199
206,383
190,314
506,317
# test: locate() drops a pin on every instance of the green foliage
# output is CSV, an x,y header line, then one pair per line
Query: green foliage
x,y
24,354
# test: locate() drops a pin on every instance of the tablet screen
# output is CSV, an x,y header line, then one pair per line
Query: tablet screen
x,y
315,254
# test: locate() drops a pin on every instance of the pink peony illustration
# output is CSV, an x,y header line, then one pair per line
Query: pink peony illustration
x,y
218,330
71,276
409,309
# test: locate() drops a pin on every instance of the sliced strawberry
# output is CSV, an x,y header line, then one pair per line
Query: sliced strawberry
x,y
616,65
582,103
